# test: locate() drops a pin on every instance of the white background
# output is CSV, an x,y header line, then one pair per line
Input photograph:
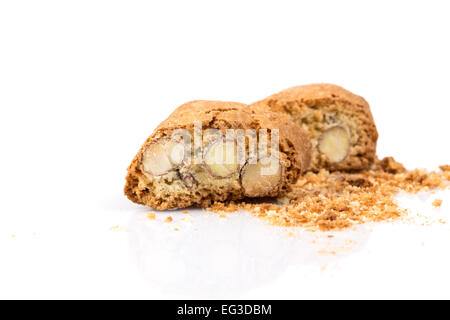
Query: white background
x,y
83,83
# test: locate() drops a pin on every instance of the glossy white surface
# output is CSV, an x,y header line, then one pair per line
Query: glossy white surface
x,y
82,84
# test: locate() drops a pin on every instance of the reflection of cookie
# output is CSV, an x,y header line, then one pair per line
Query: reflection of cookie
x,y
340,124
169,172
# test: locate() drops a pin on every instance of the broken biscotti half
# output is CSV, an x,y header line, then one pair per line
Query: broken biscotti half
x,y
209,151
340,124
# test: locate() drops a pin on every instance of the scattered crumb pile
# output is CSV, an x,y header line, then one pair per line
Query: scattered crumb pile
x,y
151,215
338,200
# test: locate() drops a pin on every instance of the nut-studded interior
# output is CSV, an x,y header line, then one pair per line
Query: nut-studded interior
x,y
317,108
219,176
318,119
177,184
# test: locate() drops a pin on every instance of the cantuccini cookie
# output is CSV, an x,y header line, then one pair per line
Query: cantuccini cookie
x,y
208,151
340,124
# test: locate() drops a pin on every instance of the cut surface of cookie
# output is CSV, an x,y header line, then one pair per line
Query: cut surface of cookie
x,y
334,143
221,158
339,123
167,173
162,156
260,177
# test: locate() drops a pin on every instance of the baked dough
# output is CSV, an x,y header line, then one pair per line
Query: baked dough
x,y
340,124
165,182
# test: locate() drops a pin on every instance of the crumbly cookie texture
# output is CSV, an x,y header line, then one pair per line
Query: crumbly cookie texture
x,y
159,175
338,200
340,124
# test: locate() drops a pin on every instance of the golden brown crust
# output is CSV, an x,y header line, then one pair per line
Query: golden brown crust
x,y
295,150
316,107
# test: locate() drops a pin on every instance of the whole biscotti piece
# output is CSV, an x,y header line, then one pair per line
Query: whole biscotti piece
x,y
180,166
340,124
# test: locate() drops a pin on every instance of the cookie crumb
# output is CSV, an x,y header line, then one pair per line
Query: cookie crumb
x,y
151,215
168,219
437,203
389,165
176,229
185,211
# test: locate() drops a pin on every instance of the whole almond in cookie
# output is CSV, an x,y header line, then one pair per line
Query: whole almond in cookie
x,y
221,159
334,143
162,156
261,176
